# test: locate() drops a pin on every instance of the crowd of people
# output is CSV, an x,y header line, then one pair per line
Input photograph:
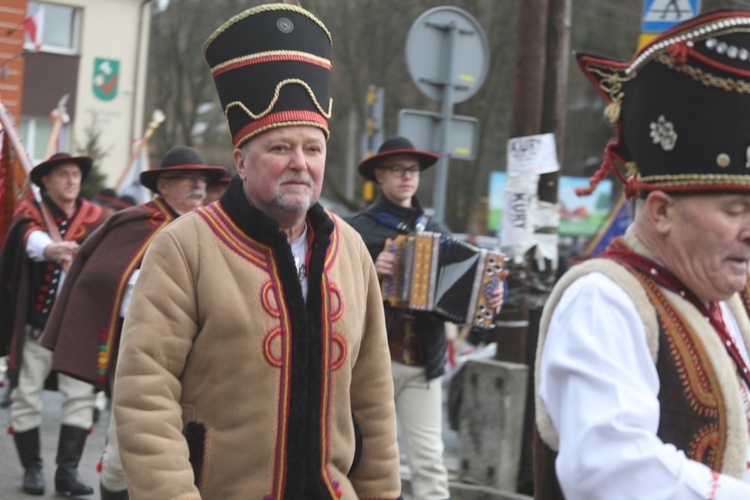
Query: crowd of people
x,y
237,326
51,247
240,331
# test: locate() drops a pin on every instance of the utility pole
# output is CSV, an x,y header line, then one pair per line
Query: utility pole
x,y
540,105
526,119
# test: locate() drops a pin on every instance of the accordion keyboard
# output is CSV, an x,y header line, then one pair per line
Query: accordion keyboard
x,y
443,275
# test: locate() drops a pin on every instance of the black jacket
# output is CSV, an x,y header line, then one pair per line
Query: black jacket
x,y
385,219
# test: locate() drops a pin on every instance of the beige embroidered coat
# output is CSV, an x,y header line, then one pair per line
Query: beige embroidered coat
x,y
230,386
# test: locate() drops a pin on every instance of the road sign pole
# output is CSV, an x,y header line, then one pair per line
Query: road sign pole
x,y
431,45
423,129
446,115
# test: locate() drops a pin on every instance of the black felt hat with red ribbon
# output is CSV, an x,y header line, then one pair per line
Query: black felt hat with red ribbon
x,y
393,146
681,107
181,159
57,159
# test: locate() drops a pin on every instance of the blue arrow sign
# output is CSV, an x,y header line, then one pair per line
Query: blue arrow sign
x,y
660,15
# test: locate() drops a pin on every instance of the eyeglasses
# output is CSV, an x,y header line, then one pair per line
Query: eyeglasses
x,y
189,177
400,170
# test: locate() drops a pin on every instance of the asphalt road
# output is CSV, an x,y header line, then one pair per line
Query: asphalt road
x,y
11,472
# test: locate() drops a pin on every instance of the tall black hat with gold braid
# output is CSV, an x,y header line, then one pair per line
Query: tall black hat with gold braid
x,y
681,107
271,66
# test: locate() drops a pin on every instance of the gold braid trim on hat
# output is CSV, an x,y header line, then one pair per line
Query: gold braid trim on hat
x,y
707,180
705,78
276,93
264,8
631,169
611,83
245,137
272,53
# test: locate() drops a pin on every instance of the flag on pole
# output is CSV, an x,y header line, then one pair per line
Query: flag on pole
x,y
14,182
130,182
7,197
60,119
615,225
33,26
15,168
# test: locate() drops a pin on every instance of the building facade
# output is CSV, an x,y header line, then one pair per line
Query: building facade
x,y
90,55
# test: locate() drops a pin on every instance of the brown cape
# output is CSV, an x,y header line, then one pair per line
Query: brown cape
x,y
14,272
84,326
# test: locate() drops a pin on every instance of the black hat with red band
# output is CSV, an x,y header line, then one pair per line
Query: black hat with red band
x,y
181,159
84,163
395,146
271,66
681,108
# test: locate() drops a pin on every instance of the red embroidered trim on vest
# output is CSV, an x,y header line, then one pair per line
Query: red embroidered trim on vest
x,y
699,381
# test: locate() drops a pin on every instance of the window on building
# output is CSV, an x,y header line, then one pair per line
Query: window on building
x,y
57,27
35,133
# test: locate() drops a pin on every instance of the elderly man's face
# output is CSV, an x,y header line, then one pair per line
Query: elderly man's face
x,y
63,183
183,191
709,243
282,169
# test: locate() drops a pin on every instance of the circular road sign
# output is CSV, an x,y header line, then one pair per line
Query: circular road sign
x,y
428,49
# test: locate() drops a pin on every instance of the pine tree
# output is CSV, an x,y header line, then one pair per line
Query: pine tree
x,y
95,180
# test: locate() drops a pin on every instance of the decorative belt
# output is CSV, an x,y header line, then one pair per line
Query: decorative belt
x,y
405,341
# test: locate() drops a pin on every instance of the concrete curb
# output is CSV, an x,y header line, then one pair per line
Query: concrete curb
x,y
465,491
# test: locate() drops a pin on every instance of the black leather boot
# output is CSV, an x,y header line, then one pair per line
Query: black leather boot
x,y
27,444
69,451
113,495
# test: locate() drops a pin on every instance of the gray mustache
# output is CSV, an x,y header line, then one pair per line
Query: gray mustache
x,y
294,178
196,192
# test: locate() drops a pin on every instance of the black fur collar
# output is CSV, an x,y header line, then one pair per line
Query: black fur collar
x,y
304,421
261,227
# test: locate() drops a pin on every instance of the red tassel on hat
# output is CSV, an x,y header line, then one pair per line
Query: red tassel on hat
x,y
10,429
631,190
679,52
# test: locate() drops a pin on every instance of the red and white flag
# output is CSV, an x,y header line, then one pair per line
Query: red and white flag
x,y
130,182
33,26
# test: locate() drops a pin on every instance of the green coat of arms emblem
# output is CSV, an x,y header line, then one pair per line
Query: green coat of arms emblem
x,y
106,76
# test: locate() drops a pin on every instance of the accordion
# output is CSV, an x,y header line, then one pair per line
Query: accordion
x,y
443,275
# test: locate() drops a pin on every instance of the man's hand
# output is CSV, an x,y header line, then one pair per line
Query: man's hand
x,y
61,251
385,264
496,301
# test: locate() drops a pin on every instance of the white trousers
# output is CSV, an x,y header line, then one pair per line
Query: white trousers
x,y
419,408
112,475
26,408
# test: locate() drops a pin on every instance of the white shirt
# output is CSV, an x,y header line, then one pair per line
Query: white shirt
x,y
299,252
36,242
128,294
600,386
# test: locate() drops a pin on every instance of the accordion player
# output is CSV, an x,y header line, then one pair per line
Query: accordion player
x,y
443,275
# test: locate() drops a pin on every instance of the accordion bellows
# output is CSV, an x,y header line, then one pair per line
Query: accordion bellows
x,y
443,275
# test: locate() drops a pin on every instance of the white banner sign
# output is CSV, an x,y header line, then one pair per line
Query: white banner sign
x,y
533,154
519,200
